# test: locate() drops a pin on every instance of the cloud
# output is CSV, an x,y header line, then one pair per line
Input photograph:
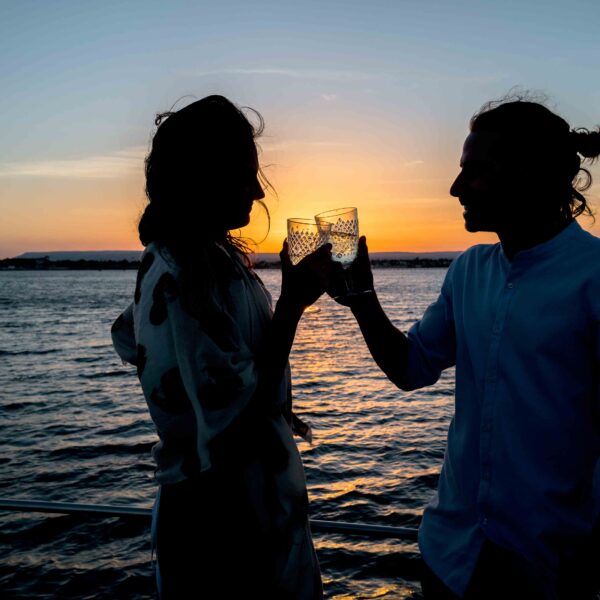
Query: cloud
x,y
414,163
329,97
400,180
270,145
316,74
106,166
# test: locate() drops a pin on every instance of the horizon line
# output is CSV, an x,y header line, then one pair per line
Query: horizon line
x,y
42,253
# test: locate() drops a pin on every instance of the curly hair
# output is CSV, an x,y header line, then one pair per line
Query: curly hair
x,y
547,144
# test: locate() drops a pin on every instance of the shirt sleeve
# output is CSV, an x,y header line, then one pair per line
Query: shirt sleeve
x,y
432,340
597,361
123,337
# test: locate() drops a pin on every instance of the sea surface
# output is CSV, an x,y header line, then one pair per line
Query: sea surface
x,y
75,428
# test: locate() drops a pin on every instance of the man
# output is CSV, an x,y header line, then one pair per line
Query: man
x,y
515,510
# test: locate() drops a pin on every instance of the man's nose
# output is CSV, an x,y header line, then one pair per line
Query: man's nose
x,y
456,187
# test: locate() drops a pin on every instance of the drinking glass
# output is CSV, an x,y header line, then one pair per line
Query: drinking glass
x,y
343,236
305,236
343,232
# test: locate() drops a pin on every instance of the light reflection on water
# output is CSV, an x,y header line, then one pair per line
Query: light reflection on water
x,y
76,428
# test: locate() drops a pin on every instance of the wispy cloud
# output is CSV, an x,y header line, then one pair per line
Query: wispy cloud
x,y
105,166
315,74
400,180
329,97
270,145
352,75
414,163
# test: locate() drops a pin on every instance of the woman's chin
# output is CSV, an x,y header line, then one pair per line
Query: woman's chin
x,y
239,223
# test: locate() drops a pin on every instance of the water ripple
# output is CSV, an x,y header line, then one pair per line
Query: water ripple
x,y
77,429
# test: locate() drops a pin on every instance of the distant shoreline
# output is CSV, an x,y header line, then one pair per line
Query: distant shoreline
x,y
44,264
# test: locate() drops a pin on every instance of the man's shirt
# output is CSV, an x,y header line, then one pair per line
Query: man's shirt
x,y
525,438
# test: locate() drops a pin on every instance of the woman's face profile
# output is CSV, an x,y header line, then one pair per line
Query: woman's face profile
x,y
241,189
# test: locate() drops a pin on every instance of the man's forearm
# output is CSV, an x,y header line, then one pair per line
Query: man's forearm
x,y
387,344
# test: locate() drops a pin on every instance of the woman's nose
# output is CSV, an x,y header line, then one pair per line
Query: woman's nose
x,y
259,193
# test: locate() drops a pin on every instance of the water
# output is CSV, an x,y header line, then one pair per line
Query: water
x,y
75,428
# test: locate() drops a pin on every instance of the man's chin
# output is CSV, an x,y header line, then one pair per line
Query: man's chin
x,y
473,225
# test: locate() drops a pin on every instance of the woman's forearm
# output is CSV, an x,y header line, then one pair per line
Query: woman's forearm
x,y
273,358
301,286
281,335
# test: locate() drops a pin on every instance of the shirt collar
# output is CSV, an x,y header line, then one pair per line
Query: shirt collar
x,y
548,247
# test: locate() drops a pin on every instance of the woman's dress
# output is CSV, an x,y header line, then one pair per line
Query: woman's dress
x,y
231,516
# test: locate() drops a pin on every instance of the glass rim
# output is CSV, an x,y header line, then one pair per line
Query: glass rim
x,y
304,221
309,223
335,211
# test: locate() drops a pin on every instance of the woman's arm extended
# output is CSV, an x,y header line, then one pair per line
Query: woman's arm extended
x,y
301,286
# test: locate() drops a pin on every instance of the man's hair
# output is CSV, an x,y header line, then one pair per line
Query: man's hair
x,y
543,141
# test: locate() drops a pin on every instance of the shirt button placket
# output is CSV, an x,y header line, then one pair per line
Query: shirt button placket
x,y
487,404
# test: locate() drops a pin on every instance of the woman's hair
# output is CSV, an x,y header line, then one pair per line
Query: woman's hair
x,y
198,154
195,152
538,138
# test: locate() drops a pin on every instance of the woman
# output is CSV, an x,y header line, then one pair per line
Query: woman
x,y
231,513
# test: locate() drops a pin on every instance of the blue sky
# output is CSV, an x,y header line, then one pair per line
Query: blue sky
x,y
386,88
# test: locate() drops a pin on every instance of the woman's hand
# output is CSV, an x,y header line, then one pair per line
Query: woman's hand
x,y
360,275
304,283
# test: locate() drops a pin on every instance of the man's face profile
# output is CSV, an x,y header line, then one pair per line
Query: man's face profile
x,y
481,187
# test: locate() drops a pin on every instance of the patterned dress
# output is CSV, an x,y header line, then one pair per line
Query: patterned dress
x,y
235,452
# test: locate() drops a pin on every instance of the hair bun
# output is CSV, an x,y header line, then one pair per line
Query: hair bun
x,y
586,143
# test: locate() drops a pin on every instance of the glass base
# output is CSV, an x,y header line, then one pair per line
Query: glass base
x,y
352,294
347,288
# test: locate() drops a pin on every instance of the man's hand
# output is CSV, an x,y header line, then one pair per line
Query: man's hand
x,y
359,275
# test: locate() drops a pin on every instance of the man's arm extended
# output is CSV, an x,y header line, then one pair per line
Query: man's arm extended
x,y
387,344
412,361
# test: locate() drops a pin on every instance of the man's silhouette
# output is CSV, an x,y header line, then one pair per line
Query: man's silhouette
x,y
515,510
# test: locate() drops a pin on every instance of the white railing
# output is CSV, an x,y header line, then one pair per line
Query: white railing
x,y
108,510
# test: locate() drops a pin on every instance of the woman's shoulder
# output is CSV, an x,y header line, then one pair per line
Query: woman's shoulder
x,y
233,262
156,262
156,279
160,255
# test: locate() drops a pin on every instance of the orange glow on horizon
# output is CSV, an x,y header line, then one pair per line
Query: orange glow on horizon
x,y
402,206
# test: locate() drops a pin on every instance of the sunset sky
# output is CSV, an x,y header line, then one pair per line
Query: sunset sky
x,y
366,104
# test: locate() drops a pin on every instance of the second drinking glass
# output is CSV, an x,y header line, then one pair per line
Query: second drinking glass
x,y
305,236
342,224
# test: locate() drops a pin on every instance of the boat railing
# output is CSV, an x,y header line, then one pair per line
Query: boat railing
x,y
110,510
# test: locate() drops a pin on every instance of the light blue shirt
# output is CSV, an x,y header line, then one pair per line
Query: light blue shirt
x,y
525,438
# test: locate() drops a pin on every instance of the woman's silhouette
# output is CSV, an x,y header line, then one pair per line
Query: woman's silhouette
x,y
230,518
